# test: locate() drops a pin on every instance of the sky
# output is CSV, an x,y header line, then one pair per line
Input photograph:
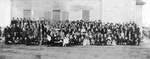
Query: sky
x,y
146,13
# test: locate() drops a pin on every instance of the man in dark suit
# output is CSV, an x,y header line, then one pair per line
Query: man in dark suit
x,y
7,35
28,34
13,33
0,32
23,35
17,35
137,32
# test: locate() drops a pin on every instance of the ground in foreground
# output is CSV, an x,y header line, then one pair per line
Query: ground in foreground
x,y
75,52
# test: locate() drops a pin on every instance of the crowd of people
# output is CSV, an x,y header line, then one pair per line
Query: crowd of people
x,y
68,33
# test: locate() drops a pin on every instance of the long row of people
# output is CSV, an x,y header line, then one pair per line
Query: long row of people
x,y
68,33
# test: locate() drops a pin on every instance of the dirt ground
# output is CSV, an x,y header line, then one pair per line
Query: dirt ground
x,y
75,52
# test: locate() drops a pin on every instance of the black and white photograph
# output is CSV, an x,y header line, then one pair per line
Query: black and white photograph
x,y
74,29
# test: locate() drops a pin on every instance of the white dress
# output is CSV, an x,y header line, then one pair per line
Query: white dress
x,y
122,35
65,41
49,38
113,42
109,41
92,41
83,31
86,42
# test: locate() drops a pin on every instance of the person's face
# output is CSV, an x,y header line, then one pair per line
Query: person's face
x,y
67,35
105,35
96,29
82,37
17,25
102,26
135,35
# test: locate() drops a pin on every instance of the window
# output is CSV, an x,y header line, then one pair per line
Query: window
x,y
85,15
56,15
27,13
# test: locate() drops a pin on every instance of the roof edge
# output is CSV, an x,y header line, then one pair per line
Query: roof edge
x,y
139,2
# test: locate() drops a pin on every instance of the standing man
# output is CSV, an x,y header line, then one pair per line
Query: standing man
x,y
137,32
7,35
0,33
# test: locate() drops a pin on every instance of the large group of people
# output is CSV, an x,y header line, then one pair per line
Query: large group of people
x,y
68,33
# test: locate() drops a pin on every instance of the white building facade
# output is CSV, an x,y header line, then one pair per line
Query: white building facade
x,y
106,10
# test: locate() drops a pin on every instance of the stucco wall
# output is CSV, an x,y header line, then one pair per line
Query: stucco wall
x,y
139,15
105,10
118,10
74,7
5,13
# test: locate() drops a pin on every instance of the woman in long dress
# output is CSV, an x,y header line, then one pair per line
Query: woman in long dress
x,y
109,40
48,40
114,40
66,40
86,42
122,38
